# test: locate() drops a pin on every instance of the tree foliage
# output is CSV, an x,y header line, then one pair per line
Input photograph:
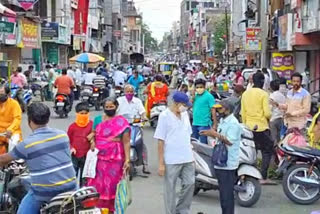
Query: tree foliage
x,y
150,43
219,40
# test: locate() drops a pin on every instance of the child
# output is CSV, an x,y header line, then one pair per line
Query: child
x,y
78,133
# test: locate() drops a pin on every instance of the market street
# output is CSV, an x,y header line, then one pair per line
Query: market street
x,y
148,192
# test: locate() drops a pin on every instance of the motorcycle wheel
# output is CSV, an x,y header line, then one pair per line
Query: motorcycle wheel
x,y
252,194
131,171
154,123
196,188
297,193
97,105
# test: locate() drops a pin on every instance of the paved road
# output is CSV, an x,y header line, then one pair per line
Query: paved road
x,y
148,192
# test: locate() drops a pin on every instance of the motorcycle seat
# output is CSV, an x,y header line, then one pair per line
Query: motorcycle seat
x,y
307,150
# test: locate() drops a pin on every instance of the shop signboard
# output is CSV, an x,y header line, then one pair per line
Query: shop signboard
x,y
283,64
63,35
6,27
253,39
25,4
49,31
52,53
28,35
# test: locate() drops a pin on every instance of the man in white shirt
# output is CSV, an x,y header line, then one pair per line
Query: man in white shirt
x,y
88,77
119,78
175,154
132,107
71,73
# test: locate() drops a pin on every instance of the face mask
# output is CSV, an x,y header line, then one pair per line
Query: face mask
x,y
129,97
183,109
110,112
82,120
3,98
200,90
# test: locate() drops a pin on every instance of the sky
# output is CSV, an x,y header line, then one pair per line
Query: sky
x,y
159,15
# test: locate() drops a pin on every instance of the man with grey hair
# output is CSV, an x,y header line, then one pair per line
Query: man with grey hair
x,y
132,107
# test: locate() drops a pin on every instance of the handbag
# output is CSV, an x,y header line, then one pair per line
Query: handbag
x,y
123,195
220,155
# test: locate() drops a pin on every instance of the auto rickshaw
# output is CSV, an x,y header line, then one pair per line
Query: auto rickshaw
x,y
166,69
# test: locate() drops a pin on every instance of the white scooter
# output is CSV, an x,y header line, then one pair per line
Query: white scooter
x,y
247,187
155,112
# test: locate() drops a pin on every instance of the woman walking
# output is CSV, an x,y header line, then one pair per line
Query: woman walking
x,y
112,139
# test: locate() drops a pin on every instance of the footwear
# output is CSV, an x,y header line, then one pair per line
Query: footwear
x,y
145,170
267,182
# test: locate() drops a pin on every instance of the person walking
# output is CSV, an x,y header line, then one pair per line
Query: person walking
x,y
112,139
175,154
256,113
203,112
276,121
229,133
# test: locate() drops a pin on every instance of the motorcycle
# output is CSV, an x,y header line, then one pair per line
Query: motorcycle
x,y
25,97
301,177
155,112
16,182
118,91
247,187
62,105
97,97
86,94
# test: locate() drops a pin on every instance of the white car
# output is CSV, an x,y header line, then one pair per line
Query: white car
x,y
248,71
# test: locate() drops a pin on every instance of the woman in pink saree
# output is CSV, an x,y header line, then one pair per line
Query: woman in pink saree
x,y
112,139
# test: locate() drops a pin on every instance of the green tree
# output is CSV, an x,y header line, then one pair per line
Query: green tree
x,y
150,43
220,32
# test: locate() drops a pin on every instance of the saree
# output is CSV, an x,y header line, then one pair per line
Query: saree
x,y
157,92
111,158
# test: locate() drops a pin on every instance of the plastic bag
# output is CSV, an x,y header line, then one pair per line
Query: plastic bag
x,y
295,138
13,141
123,196
220,155
89,170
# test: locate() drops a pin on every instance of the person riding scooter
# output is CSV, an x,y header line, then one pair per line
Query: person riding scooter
x,y
132,106
64,84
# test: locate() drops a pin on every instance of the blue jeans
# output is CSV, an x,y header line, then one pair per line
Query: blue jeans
x,y
195,133
29,204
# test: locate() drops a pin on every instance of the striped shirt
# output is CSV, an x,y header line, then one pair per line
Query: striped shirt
x,y
47,155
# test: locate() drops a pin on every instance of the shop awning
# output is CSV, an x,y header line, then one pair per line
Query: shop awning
x,y
6,11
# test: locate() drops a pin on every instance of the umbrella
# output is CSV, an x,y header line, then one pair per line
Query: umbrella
x,y
6,11
87,58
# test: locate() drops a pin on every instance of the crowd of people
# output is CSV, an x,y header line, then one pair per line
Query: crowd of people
x,y
264,106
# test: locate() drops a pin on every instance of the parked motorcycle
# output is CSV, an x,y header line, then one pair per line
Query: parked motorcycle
x,y
62,105
155,113
247,187
15,180
301,176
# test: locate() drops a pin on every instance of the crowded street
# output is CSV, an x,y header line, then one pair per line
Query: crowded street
x,y
148,192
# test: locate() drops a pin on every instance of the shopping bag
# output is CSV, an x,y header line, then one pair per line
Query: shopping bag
x,y
89,169
295,138
123,195
13,141
220,155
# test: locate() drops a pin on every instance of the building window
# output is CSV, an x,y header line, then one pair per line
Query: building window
x,y
187,6
194,4
211,4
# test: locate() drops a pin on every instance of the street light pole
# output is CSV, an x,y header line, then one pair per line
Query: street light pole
x,y
227,34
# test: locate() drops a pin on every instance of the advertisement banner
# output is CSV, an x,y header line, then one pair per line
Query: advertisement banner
x,y
63,35
49,31
253,39
25,4
28,34
283,64
285,32
6,27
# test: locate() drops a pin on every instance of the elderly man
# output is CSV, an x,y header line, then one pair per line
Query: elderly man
x,y
132,107
10,114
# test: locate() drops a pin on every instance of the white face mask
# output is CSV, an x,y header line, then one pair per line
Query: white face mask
x,y
183,109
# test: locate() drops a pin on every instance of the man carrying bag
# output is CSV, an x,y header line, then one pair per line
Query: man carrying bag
x,y
226,162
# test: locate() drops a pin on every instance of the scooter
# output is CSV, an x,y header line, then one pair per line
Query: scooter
x,y
155,113
301,177
86,94
247,187
62,105
16,182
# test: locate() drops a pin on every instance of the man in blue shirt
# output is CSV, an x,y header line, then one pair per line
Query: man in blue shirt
x,y
47,155
203,112
136,80
229,133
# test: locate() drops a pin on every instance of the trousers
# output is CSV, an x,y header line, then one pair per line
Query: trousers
x,y
186,173
29,204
